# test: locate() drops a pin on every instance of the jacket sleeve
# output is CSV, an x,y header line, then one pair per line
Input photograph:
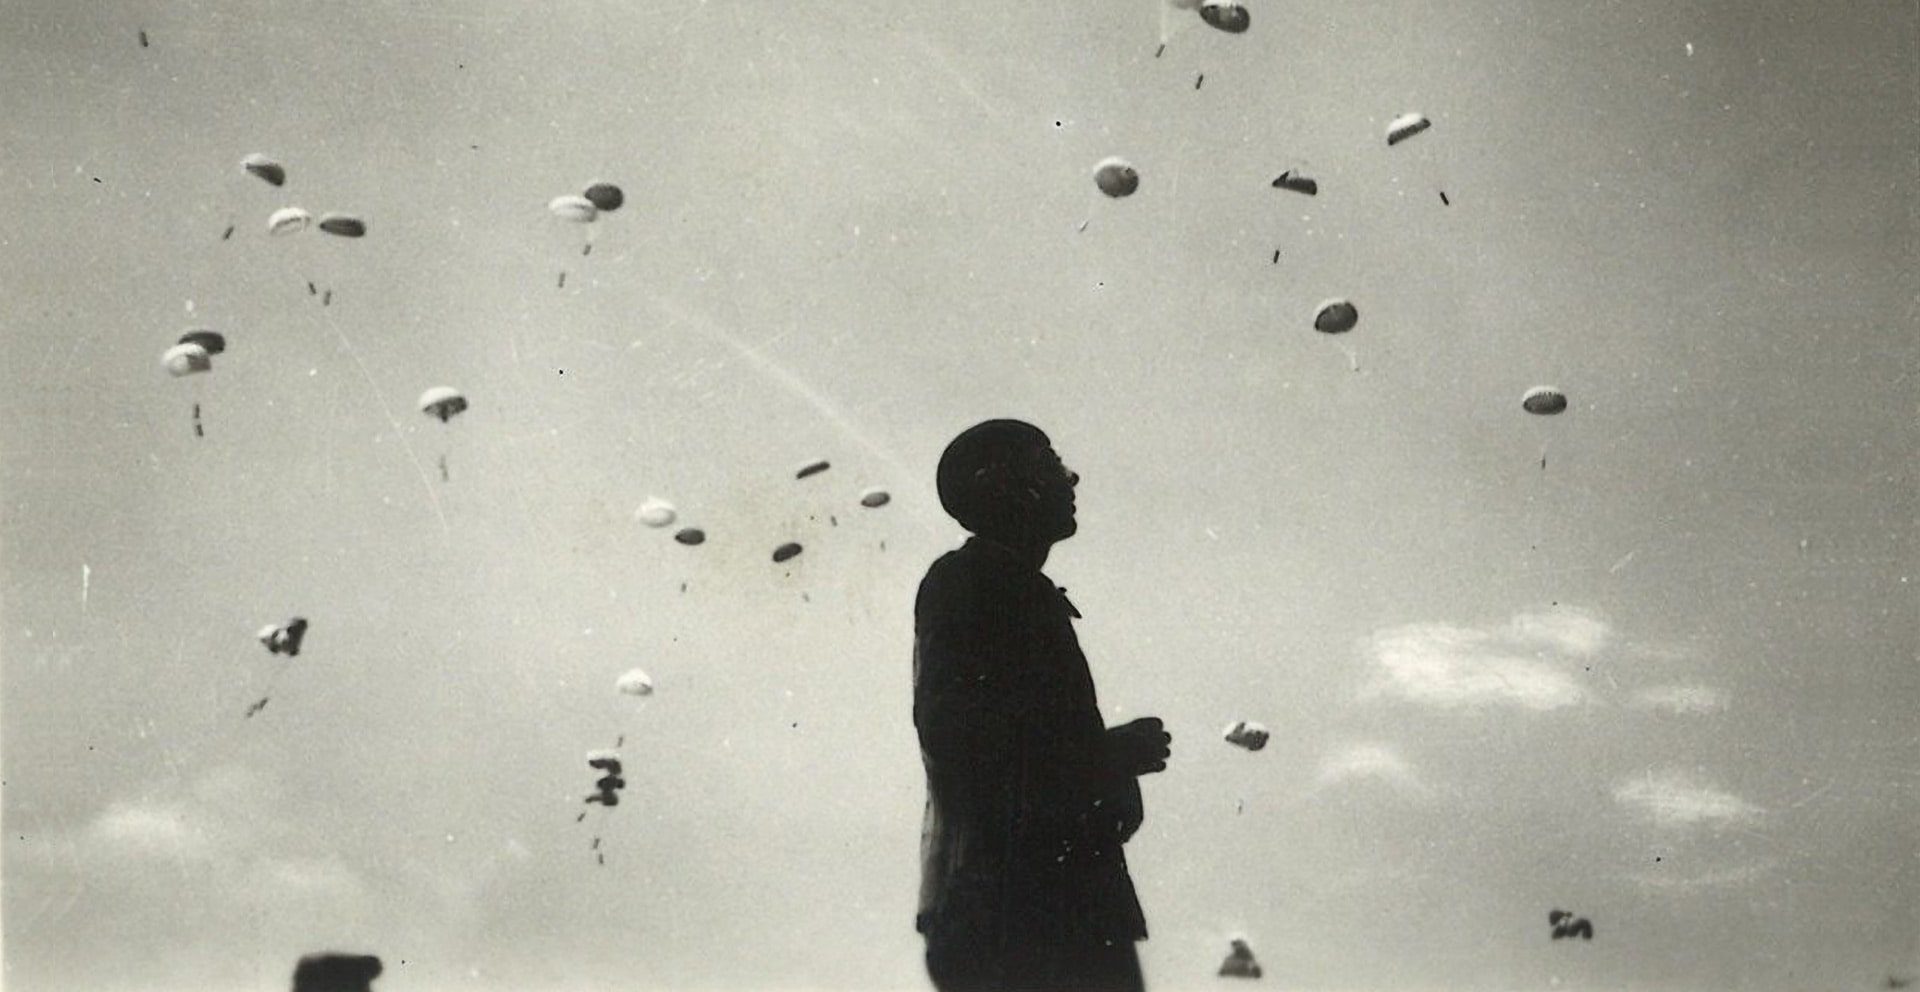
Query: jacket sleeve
x,y
968,702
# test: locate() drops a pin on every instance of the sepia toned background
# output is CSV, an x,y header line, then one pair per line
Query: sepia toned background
x,y
1651,661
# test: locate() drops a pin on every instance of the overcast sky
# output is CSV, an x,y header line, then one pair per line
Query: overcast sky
x,y
1667,681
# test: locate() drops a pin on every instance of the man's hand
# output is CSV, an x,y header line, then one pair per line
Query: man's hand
x,y
1139,747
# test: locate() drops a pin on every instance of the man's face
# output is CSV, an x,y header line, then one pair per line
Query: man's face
x,y
1050,484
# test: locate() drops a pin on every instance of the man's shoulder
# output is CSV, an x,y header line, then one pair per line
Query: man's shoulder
x,y
971,575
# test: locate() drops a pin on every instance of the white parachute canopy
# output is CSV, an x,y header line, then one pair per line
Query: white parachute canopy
x,y
1406,126
875,498
656,512
634,683
186,359
442,402
577,209
1544,400
288,220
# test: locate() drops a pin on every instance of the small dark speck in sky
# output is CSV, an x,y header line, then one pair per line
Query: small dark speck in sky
x,y
96,179
143,39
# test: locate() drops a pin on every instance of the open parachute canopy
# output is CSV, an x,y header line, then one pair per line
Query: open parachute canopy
x,y
186,359
1406,126
1227,15
332,972
656,512
812,468
343,226
284,638
605,197
690,536
875,498
1240,962
1246,734
443,402
634,683
1335,317
265,168
212,341
1116,177
1291,180
577,209
1544,400
786,552
288,220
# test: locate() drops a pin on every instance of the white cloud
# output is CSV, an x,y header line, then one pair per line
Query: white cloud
x,y
1672,799
1570,631
1681,699
1525,662
308,878
1368,761
149,830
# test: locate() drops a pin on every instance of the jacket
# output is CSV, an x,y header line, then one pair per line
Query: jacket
x,y
1024,822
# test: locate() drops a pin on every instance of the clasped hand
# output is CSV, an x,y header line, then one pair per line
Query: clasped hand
x,y
1139,747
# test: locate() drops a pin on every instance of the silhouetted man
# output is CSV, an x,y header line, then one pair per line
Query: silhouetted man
x,y
1029,795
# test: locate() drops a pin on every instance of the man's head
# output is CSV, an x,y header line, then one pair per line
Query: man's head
x,y
1002,479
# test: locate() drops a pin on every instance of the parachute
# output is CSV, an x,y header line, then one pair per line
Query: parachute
x,y
690,536
634,683
330,972
577,209
786,552
607,786
605,197
443,402
1406,126
265,168
874,498
1297,183
655,512
1335,317
1227,15
1247,734
187,358
1544,400
343,226
209,341
812,468
1567,926
288,220
284,639
1116,177
1240,962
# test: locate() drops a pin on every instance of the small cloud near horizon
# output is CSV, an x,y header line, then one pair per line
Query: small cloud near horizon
x,y
1527,661
1672,799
